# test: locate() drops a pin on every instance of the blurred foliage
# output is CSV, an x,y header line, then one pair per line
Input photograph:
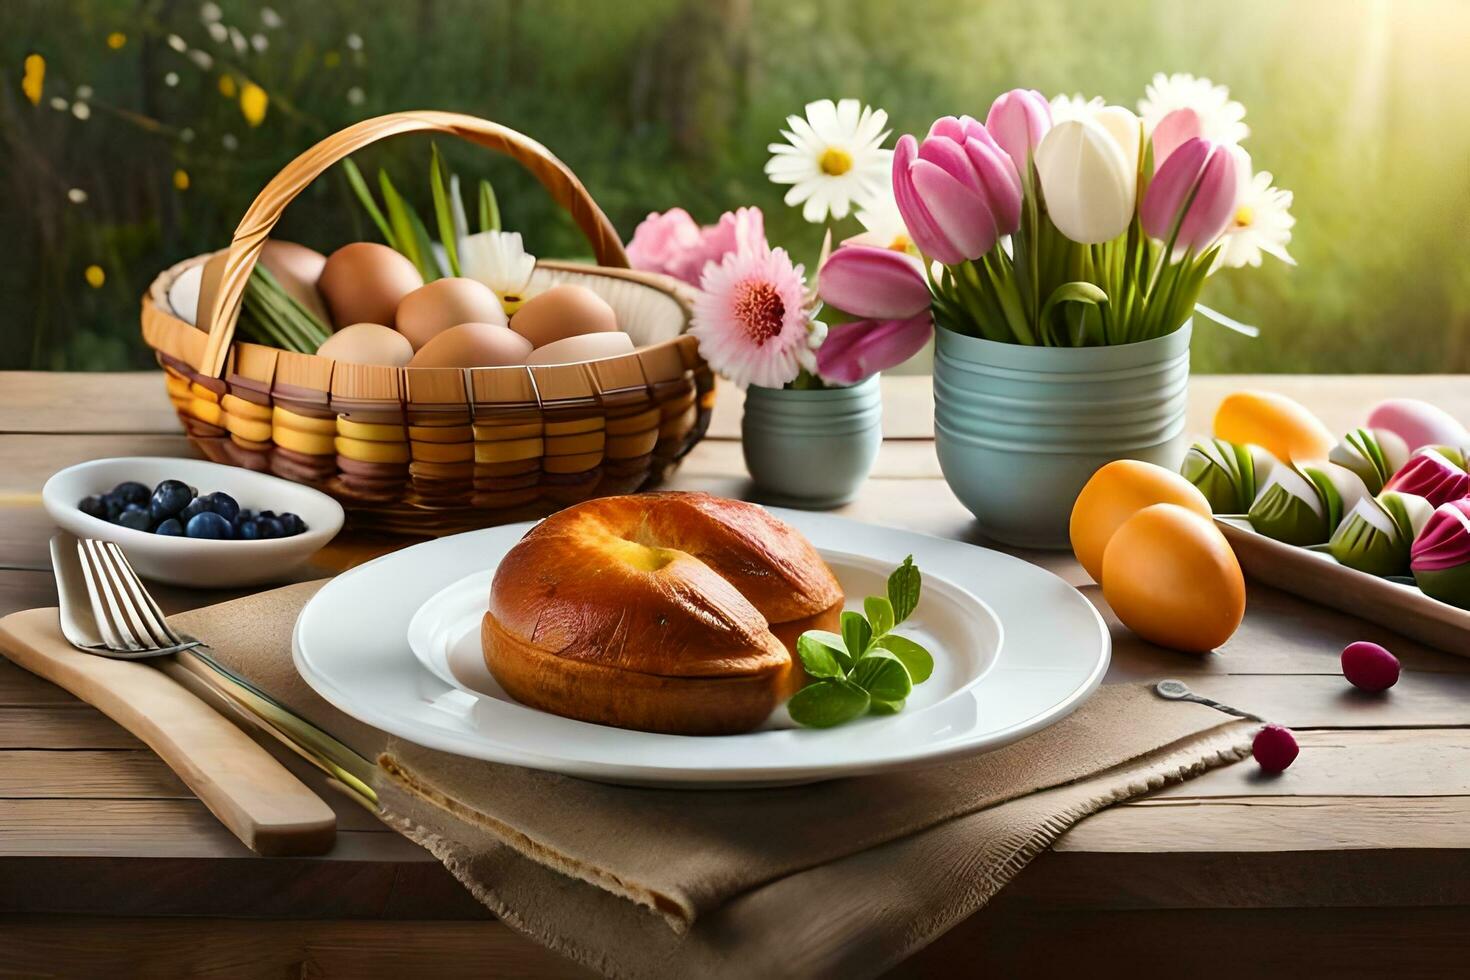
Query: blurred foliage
x,y
137,156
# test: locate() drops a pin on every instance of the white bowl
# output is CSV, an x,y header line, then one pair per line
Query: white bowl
x,y
197,562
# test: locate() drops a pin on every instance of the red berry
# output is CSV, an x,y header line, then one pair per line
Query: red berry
x,y
1274,747
1369,666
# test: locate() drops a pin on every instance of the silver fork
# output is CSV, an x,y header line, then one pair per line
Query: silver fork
x,y
132,627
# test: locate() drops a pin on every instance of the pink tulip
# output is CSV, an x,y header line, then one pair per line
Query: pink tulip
x,y
874,283
1018,120
1172,132
672,244
1199,176
854,351
958,191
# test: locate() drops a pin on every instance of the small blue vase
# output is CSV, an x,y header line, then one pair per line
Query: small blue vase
x,y
1020,429
811,448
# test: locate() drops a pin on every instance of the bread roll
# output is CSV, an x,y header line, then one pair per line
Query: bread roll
x,y
665,612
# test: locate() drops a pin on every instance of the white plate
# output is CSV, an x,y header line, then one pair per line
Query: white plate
x,y
197,562
961,632
352,645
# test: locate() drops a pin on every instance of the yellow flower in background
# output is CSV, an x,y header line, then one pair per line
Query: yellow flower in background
x,y
34,78
227,86
181,179
116,40
95,276
332,59
253,103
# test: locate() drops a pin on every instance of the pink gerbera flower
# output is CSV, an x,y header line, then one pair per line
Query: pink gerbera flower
x,y
750,318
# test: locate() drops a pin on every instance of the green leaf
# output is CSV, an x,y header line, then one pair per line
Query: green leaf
x,y
1084,293
456,209
856,634
880,614
489,208
819,658
442,212
877,707
827,703
903,589
920,662
835,643
425,246
408,228
365,197
399,218
882,675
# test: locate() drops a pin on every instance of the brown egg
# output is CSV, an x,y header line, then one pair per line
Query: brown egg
x,y
363,283
443,303
298,269
473,345
562,312
368,343
588,347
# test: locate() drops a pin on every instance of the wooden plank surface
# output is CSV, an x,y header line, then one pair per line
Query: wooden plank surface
x,y
1378,803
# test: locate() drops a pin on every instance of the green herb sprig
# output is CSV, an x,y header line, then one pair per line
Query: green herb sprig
x,y
867,669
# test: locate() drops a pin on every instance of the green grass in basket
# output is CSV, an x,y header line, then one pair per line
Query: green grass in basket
x,y
270,315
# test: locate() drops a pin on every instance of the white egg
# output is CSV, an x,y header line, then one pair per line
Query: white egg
x,y
183,294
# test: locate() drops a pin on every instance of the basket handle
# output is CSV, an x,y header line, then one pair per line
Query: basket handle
x,y
255,227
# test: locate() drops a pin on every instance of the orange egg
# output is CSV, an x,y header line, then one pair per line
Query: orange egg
x,y
1117,492
1170,577
1285,428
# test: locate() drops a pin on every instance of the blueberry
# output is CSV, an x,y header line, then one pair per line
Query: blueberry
x,y
223,504
114,505
170,528
199,505
291,524
132,492
266,513
243,516
208,525
247,530
169,497
136,518
93,507
269,527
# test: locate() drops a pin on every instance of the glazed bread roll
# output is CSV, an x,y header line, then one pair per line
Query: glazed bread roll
x,y
665,612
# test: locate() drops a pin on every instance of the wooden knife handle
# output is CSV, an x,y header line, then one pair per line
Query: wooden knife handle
x,y
251,793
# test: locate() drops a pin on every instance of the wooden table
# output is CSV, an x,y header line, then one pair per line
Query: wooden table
x,y
1354,862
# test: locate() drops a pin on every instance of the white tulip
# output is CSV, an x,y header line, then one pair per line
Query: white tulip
x,y
1125,128
1089,175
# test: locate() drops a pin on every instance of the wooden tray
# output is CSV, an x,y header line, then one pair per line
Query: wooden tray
x,y
1317,576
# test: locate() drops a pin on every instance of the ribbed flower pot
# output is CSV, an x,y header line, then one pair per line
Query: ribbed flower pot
x,y
811,448
1020,429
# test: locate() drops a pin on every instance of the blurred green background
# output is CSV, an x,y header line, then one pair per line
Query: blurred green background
x,y
138,152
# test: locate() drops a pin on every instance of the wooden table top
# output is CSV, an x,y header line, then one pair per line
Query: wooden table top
x,y
1372,821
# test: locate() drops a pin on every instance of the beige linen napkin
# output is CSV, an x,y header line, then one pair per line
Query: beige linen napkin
x,y
842,878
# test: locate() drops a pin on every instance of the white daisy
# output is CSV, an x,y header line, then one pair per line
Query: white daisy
x,y
1262,223
1220,116
833,158
1075,106
500,261
882,223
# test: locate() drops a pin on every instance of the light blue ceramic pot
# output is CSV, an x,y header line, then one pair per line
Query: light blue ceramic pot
x,y
811,448
1020,429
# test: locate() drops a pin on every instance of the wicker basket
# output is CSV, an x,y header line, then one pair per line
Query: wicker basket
x,y
438,450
